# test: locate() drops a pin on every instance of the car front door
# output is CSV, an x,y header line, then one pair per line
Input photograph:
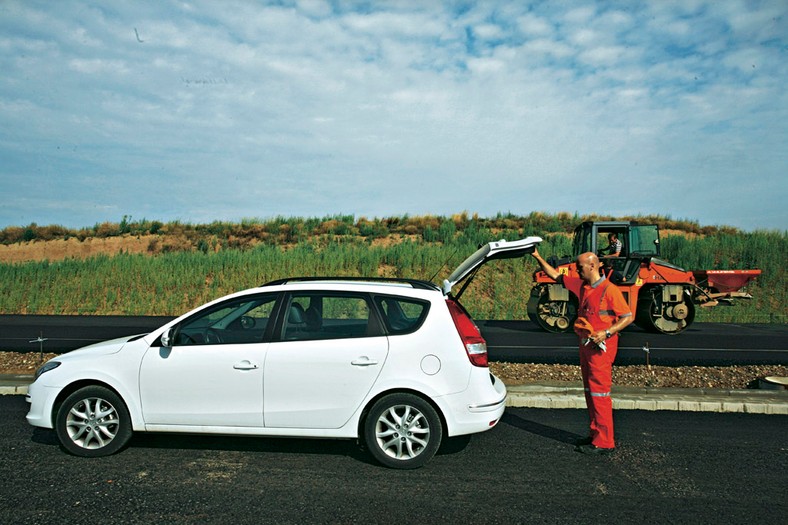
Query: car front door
x,y
212,374
331,351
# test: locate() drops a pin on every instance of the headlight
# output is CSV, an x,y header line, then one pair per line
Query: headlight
x,y
46,367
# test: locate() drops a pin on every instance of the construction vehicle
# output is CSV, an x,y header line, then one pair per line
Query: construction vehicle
x,y
662,296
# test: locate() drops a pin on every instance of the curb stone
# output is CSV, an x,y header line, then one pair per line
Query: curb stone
x,y
14,384
570,395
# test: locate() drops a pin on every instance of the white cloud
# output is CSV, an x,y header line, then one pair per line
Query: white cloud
x,y
245,109
488,32
98,66
579,16
534,26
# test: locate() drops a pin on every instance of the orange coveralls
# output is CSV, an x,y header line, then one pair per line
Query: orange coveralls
x,y
601,304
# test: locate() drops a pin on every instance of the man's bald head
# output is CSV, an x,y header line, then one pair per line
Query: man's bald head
x,y
588,267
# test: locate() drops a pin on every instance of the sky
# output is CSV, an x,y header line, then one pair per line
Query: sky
x,y
203,111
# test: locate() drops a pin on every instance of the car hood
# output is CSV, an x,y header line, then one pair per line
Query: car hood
x,y
105,347
493,250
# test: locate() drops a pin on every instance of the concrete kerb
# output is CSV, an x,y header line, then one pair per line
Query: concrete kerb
x,y
14,384
570,395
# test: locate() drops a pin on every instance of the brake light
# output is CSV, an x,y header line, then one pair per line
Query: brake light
x,y
475,345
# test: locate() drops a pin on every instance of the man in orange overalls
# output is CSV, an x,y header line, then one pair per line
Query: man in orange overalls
x,y
601,315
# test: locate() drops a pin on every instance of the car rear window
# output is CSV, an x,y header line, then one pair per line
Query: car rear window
x,y
313,316
402,315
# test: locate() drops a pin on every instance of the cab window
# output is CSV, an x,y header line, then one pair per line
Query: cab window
x,y
644,240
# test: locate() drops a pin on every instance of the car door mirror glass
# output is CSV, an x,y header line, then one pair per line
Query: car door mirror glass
x,y
167,338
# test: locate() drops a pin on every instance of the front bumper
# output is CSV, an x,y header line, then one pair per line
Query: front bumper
x,y
42,400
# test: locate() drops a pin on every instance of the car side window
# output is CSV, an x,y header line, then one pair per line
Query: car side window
x,y
313,316
237,321
402,315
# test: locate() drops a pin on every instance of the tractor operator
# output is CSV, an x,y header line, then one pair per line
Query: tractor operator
x,y
615,246
602,314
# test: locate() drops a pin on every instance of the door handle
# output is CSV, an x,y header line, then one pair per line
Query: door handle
x,y
245,365
363,361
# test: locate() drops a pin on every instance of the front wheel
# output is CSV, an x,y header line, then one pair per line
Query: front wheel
x,y
403,431
552,315
93,422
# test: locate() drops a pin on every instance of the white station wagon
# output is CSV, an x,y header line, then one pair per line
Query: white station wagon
x,y
397,364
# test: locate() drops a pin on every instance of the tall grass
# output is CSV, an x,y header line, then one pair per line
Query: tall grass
x,y
763,250
173,282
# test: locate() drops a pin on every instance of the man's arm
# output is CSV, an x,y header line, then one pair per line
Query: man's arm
x,y
549,270
617,246
618,304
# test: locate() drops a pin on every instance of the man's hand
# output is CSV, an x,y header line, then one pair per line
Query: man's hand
x,y
598,337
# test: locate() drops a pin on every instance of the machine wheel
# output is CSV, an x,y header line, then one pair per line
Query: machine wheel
x,y
551,316
93,422
667,317
402,431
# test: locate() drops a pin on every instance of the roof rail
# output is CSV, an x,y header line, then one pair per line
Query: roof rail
x,y
415,283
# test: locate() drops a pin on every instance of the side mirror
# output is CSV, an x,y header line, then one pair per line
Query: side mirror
x,y
167,338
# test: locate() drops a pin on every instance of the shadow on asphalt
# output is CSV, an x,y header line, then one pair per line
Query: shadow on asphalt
x,y
333,447
156,440
556,434
44,436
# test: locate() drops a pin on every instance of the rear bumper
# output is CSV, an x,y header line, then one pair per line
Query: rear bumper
x,y
477,409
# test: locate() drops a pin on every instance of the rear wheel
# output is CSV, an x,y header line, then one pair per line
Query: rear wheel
x,y
551,315
402,431
93,422
659,311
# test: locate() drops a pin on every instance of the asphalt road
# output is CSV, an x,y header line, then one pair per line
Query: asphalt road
x,y
670,467
513,341
701,344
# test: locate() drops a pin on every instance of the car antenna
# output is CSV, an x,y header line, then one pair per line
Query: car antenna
x,y
444,264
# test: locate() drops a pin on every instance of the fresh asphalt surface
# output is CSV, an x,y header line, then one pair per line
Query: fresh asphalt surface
x,y
670,467
514,341
701,344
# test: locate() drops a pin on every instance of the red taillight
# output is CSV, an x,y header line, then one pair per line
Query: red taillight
x,y
472,339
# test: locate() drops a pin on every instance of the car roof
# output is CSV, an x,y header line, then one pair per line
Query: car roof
x,y
385,281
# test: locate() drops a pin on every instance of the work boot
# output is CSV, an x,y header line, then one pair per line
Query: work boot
x,y
583,441
591,449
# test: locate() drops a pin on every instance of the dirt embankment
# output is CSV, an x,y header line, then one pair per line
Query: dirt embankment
x,y
59,249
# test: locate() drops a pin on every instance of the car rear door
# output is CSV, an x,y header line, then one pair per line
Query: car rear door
x,y
330,351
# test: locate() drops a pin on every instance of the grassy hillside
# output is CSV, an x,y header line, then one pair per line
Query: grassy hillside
x,y
175,266
284,230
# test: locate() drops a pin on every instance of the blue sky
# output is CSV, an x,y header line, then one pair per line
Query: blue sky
x,y
202,111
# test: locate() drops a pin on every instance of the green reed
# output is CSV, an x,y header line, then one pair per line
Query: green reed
x,y
170,283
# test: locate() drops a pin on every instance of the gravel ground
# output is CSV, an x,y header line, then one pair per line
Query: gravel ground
x,y
726,377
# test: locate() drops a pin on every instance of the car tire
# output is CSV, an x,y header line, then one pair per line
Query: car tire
x,y
402,431
93,422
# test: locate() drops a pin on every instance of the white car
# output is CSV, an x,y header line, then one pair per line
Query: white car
x,y
398,364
